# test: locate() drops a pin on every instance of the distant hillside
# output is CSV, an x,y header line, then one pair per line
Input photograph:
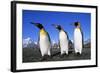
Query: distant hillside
x,y
87,43
29,43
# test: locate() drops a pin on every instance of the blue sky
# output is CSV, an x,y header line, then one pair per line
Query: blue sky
x,y
49,17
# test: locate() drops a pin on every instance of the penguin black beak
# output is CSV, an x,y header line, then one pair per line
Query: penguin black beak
x,y
35,24
38,25
72,24
58,27
55,25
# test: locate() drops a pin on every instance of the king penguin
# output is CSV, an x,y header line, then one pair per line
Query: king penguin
x,y
44,41
78,38
63,40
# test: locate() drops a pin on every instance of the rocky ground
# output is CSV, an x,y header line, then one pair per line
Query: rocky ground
x,y
34,55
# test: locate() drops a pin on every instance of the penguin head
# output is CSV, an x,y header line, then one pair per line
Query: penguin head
x,y
38,25
58,27
77,24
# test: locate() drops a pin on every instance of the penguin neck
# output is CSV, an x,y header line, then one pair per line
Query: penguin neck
x,y
61,30
77,27
42,31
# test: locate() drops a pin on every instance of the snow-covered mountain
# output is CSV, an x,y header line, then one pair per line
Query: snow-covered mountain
x,y
87,41
28,43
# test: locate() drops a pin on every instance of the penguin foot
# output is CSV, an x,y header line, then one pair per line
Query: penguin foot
x,y
70,52
62,55
78,53
50,56
44,58
67,55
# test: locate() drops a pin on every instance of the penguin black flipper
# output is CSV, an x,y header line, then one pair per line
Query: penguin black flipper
x,y
39,43
48,37
59,44
67,35
82,37
38,39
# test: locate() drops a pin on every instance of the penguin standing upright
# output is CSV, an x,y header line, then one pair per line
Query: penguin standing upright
x,y
63,39
44,40
78,38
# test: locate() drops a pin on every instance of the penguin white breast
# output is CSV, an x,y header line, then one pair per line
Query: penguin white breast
x,y
63,40
44,44
77,38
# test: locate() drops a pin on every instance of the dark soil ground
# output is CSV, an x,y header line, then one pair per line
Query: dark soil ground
x,y
34,55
